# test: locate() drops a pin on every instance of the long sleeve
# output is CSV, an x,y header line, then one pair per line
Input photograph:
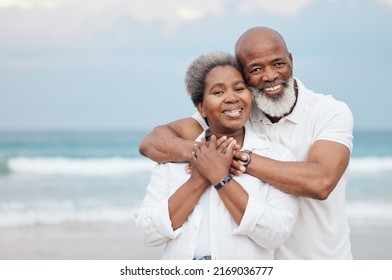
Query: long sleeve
x,y
270,214
152,219
269,217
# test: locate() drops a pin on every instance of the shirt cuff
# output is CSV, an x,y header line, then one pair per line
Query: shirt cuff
x,y
254,210
161,220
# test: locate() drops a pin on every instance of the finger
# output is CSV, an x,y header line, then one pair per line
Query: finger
x,y
223,147
238,155
196,147
230,148
235,172
188,169
195,152
221,140
237,168
213,141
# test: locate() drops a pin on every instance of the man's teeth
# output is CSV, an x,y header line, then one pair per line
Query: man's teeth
x,y
272,88
233,112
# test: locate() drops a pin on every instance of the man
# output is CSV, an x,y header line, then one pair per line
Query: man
x,y
316,128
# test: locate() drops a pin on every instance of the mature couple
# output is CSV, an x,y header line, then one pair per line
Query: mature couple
x,y
268,162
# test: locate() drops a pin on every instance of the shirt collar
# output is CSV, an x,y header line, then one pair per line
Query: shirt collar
x,y
252,140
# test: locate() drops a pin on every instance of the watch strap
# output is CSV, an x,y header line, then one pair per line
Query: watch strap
x,y
224,182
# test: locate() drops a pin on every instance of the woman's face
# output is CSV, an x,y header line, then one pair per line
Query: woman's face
x,y
226,100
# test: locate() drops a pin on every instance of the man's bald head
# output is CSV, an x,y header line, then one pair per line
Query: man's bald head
x,y
256,39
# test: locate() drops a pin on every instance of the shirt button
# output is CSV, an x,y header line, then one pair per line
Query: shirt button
x,y
195,228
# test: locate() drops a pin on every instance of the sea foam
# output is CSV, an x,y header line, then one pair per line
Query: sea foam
x,y
371,164
78,166
123,166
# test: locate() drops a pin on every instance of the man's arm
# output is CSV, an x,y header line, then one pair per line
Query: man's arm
x,y
316,178
171,142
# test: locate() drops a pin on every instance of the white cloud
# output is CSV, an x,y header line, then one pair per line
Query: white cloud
x,y
172,11
67,21
23,4
189,14
386,2
63,20
28,4
286,8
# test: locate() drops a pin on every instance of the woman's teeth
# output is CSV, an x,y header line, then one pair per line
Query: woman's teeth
x,y
233,113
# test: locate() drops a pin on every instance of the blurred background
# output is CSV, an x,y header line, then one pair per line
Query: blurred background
x,y
81,82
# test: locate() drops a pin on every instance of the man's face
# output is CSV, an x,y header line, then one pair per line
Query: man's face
x,y
268,71
265,60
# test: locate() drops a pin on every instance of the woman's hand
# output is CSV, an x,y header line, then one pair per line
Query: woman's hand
x,y
212,159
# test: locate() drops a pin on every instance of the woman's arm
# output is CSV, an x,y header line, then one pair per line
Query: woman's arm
x,y
214,163
185,198
161,212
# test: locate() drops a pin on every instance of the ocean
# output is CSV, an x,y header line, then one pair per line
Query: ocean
x,y
55,178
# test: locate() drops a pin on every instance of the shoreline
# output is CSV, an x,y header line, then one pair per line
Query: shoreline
x,y
118,241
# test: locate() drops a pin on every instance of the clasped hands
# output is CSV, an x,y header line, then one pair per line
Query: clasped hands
x,y
216,158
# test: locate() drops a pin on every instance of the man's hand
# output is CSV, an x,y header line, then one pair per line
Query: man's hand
x,y
237,168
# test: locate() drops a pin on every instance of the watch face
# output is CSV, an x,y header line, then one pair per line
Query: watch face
x,y
244,163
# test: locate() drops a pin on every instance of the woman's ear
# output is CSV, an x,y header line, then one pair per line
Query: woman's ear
x,y
200,108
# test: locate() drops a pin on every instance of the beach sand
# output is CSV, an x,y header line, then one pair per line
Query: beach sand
x,y
371,240
118,241
97,241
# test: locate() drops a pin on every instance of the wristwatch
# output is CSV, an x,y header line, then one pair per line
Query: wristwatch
x,y
246,162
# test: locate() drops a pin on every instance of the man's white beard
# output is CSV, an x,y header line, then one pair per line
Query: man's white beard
x,y
276,106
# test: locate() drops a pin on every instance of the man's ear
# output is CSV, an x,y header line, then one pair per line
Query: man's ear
x,y
201,110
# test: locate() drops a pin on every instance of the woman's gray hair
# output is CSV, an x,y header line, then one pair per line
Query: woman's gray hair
x,y
200,67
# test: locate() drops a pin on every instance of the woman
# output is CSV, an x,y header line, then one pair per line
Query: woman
x,y
210,214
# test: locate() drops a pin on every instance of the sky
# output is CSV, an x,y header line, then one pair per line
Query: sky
x,y
120,64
